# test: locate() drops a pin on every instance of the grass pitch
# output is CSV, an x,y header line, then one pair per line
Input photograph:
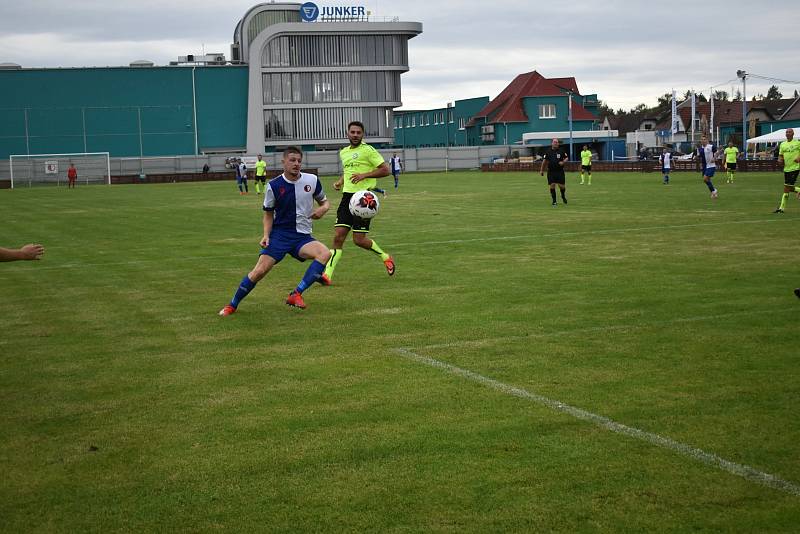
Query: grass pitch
x,y
399,404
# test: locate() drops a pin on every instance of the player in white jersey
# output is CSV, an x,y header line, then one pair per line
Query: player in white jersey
x,y
396,166
708,154
288,211
666,164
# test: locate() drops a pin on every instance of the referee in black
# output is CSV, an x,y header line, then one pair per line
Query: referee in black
x,y
555,158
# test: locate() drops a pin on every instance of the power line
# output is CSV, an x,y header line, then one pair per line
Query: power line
x,y
770,79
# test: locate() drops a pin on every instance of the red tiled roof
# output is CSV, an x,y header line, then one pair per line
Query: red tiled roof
x,y
507,106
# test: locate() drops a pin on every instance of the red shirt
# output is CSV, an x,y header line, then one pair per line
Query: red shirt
x,y
72,172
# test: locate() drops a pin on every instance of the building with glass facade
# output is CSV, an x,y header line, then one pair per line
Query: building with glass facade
x,y
307,80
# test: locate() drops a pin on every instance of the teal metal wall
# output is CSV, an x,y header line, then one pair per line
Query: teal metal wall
x,y
121,110
428,133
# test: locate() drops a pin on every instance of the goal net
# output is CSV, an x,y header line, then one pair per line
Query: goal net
x,y
29,170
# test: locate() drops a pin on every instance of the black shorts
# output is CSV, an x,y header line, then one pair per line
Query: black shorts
x,y
586,168
345,218
262,179
731,166
789,178
556,177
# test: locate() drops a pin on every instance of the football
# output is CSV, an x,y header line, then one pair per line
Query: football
x,y
364,204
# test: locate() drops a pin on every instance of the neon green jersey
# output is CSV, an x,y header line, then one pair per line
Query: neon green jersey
x,y
586,157
731,154
790,150
359,160
261,168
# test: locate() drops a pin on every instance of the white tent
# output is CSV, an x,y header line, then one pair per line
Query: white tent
x,y
773,137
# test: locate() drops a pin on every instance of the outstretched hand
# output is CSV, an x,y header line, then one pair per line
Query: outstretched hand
x,y
32,251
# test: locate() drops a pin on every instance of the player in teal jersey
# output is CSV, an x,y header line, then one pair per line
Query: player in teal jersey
x,y
789,157
361,165
731,155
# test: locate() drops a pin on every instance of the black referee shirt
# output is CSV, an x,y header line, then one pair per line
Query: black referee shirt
x,y
553,157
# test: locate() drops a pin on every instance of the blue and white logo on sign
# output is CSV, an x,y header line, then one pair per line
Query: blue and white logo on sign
x,y
309,12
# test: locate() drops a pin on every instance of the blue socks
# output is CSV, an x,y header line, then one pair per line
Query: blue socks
x,y
313,273
245,287
710,186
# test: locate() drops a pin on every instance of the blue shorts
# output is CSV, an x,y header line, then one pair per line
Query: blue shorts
x,y
665,170
282,243
708,172
241,179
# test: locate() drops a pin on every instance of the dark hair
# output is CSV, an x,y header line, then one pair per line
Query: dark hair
x,y
292,150
355,123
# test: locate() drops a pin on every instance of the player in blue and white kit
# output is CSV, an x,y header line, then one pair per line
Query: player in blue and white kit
x,y
396,167
708,153
241,177
288,211
666,164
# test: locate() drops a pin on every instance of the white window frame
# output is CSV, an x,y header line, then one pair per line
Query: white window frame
x,y
543,108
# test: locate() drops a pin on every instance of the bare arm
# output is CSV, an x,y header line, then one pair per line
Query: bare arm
x,y
323,208
28,252
379,172
269,216
541,168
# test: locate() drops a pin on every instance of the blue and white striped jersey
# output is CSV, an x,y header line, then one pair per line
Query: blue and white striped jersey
x,y
706,154
293,202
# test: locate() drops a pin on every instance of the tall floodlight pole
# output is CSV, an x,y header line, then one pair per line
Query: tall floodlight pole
x,y
743,75
711,126
569,99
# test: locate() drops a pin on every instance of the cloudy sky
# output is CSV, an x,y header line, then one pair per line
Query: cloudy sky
x,y
626,51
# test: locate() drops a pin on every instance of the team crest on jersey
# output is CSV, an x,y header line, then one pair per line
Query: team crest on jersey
x,y
281,191
355,155
307,188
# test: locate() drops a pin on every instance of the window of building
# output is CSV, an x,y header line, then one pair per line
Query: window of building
x,y
461,123
413,121
323,123
547,111
308,87
450,115
335,50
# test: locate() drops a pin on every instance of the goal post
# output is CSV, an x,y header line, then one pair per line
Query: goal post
x,y
51,169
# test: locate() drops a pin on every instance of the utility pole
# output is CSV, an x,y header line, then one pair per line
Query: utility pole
x,y
743,75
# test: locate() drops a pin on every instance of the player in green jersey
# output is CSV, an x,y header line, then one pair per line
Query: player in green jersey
x,y
261,175
731,155
586,163
789,157
361,165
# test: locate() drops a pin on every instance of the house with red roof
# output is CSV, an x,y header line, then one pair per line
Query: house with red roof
x,y
529,112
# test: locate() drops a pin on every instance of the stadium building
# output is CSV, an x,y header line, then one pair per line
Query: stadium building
x,y
297,75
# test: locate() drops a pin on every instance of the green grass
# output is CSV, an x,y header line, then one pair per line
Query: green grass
x,y
651,305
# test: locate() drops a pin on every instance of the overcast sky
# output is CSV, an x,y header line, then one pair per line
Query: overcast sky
x,y
626,51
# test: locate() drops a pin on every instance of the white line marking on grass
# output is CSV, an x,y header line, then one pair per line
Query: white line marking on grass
x,y
744,471
590,329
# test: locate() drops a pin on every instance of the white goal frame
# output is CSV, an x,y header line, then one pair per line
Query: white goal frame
x,y
65,155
